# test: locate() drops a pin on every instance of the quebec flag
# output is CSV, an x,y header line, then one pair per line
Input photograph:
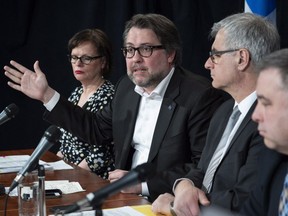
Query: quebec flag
x,y
265,8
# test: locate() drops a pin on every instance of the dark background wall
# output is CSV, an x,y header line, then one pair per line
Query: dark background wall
x,y
39,30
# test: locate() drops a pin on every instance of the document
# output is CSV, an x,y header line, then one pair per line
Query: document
x,y
122,211
14,163
64,185
140,210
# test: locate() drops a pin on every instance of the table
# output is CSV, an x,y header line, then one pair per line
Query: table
x,y
88,180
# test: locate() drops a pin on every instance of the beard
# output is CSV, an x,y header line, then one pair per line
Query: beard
x,y
148,80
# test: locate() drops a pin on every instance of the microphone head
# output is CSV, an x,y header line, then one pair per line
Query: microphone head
x,y
145,171
52,134
11,110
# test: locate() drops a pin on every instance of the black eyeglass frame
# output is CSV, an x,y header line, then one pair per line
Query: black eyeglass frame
x,y
213,53
124,50
73,59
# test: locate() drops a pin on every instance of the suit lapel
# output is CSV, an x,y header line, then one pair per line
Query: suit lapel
x,y
165,115
133,105
216,131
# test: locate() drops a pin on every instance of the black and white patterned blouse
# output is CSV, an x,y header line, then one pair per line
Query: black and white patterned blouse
x,y
100,158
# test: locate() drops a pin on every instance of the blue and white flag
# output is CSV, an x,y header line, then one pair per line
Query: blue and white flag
x,y
265,8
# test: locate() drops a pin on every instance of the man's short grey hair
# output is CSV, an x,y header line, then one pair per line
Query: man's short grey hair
x,y
252,32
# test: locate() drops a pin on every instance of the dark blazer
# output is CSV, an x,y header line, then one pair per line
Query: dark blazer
x,y
237,173
180,132
265,198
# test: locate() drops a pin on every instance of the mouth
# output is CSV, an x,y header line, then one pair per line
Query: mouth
x,y
78,72
261,132
139,70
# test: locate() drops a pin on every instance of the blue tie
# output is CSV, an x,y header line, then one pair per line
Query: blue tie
x,y
283,205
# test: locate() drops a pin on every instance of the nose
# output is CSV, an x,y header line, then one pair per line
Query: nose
x,y
137,57
256,116
208,64
78,62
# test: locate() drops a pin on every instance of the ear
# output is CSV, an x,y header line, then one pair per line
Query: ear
x,y
171,57
244,59
103,62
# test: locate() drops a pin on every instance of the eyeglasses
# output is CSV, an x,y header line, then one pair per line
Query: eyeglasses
x,y
215,55
144,51
83,59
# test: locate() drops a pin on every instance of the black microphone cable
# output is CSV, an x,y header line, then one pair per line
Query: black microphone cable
x,y
5,203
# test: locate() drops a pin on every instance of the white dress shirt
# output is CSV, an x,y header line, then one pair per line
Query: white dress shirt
x,y
146,121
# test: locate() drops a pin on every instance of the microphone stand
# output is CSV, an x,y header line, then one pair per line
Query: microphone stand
x,y
41,185
41,188
98,212
98,208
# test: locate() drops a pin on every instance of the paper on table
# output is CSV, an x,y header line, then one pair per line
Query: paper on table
x,y
60,165
122,211
145,209
14,163
125,211
64,185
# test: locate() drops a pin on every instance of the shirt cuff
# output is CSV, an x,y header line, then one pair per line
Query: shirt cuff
x,y
52,102
145,191
178,180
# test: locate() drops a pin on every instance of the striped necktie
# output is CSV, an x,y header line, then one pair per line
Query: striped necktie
x,y
283,204
216,159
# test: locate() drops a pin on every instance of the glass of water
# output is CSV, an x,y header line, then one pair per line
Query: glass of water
x,y
28,195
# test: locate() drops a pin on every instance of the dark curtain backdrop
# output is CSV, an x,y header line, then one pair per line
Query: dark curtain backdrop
x,y
39,30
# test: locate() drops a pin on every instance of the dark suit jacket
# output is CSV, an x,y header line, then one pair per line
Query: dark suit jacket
x,y
237,173
180,132
265,198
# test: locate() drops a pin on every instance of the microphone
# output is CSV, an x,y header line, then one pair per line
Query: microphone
x,y
50,136
138,174
9,112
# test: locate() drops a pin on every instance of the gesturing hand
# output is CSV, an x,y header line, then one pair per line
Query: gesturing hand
x,y
32,84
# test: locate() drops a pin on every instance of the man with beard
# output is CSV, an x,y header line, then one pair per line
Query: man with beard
x,y
160,112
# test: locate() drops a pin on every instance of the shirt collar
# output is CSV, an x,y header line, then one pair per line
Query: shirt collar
x,y
246,104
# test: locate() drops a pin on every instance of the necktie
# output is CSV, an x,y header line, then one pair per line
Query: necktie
x,y
283,205
216,159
